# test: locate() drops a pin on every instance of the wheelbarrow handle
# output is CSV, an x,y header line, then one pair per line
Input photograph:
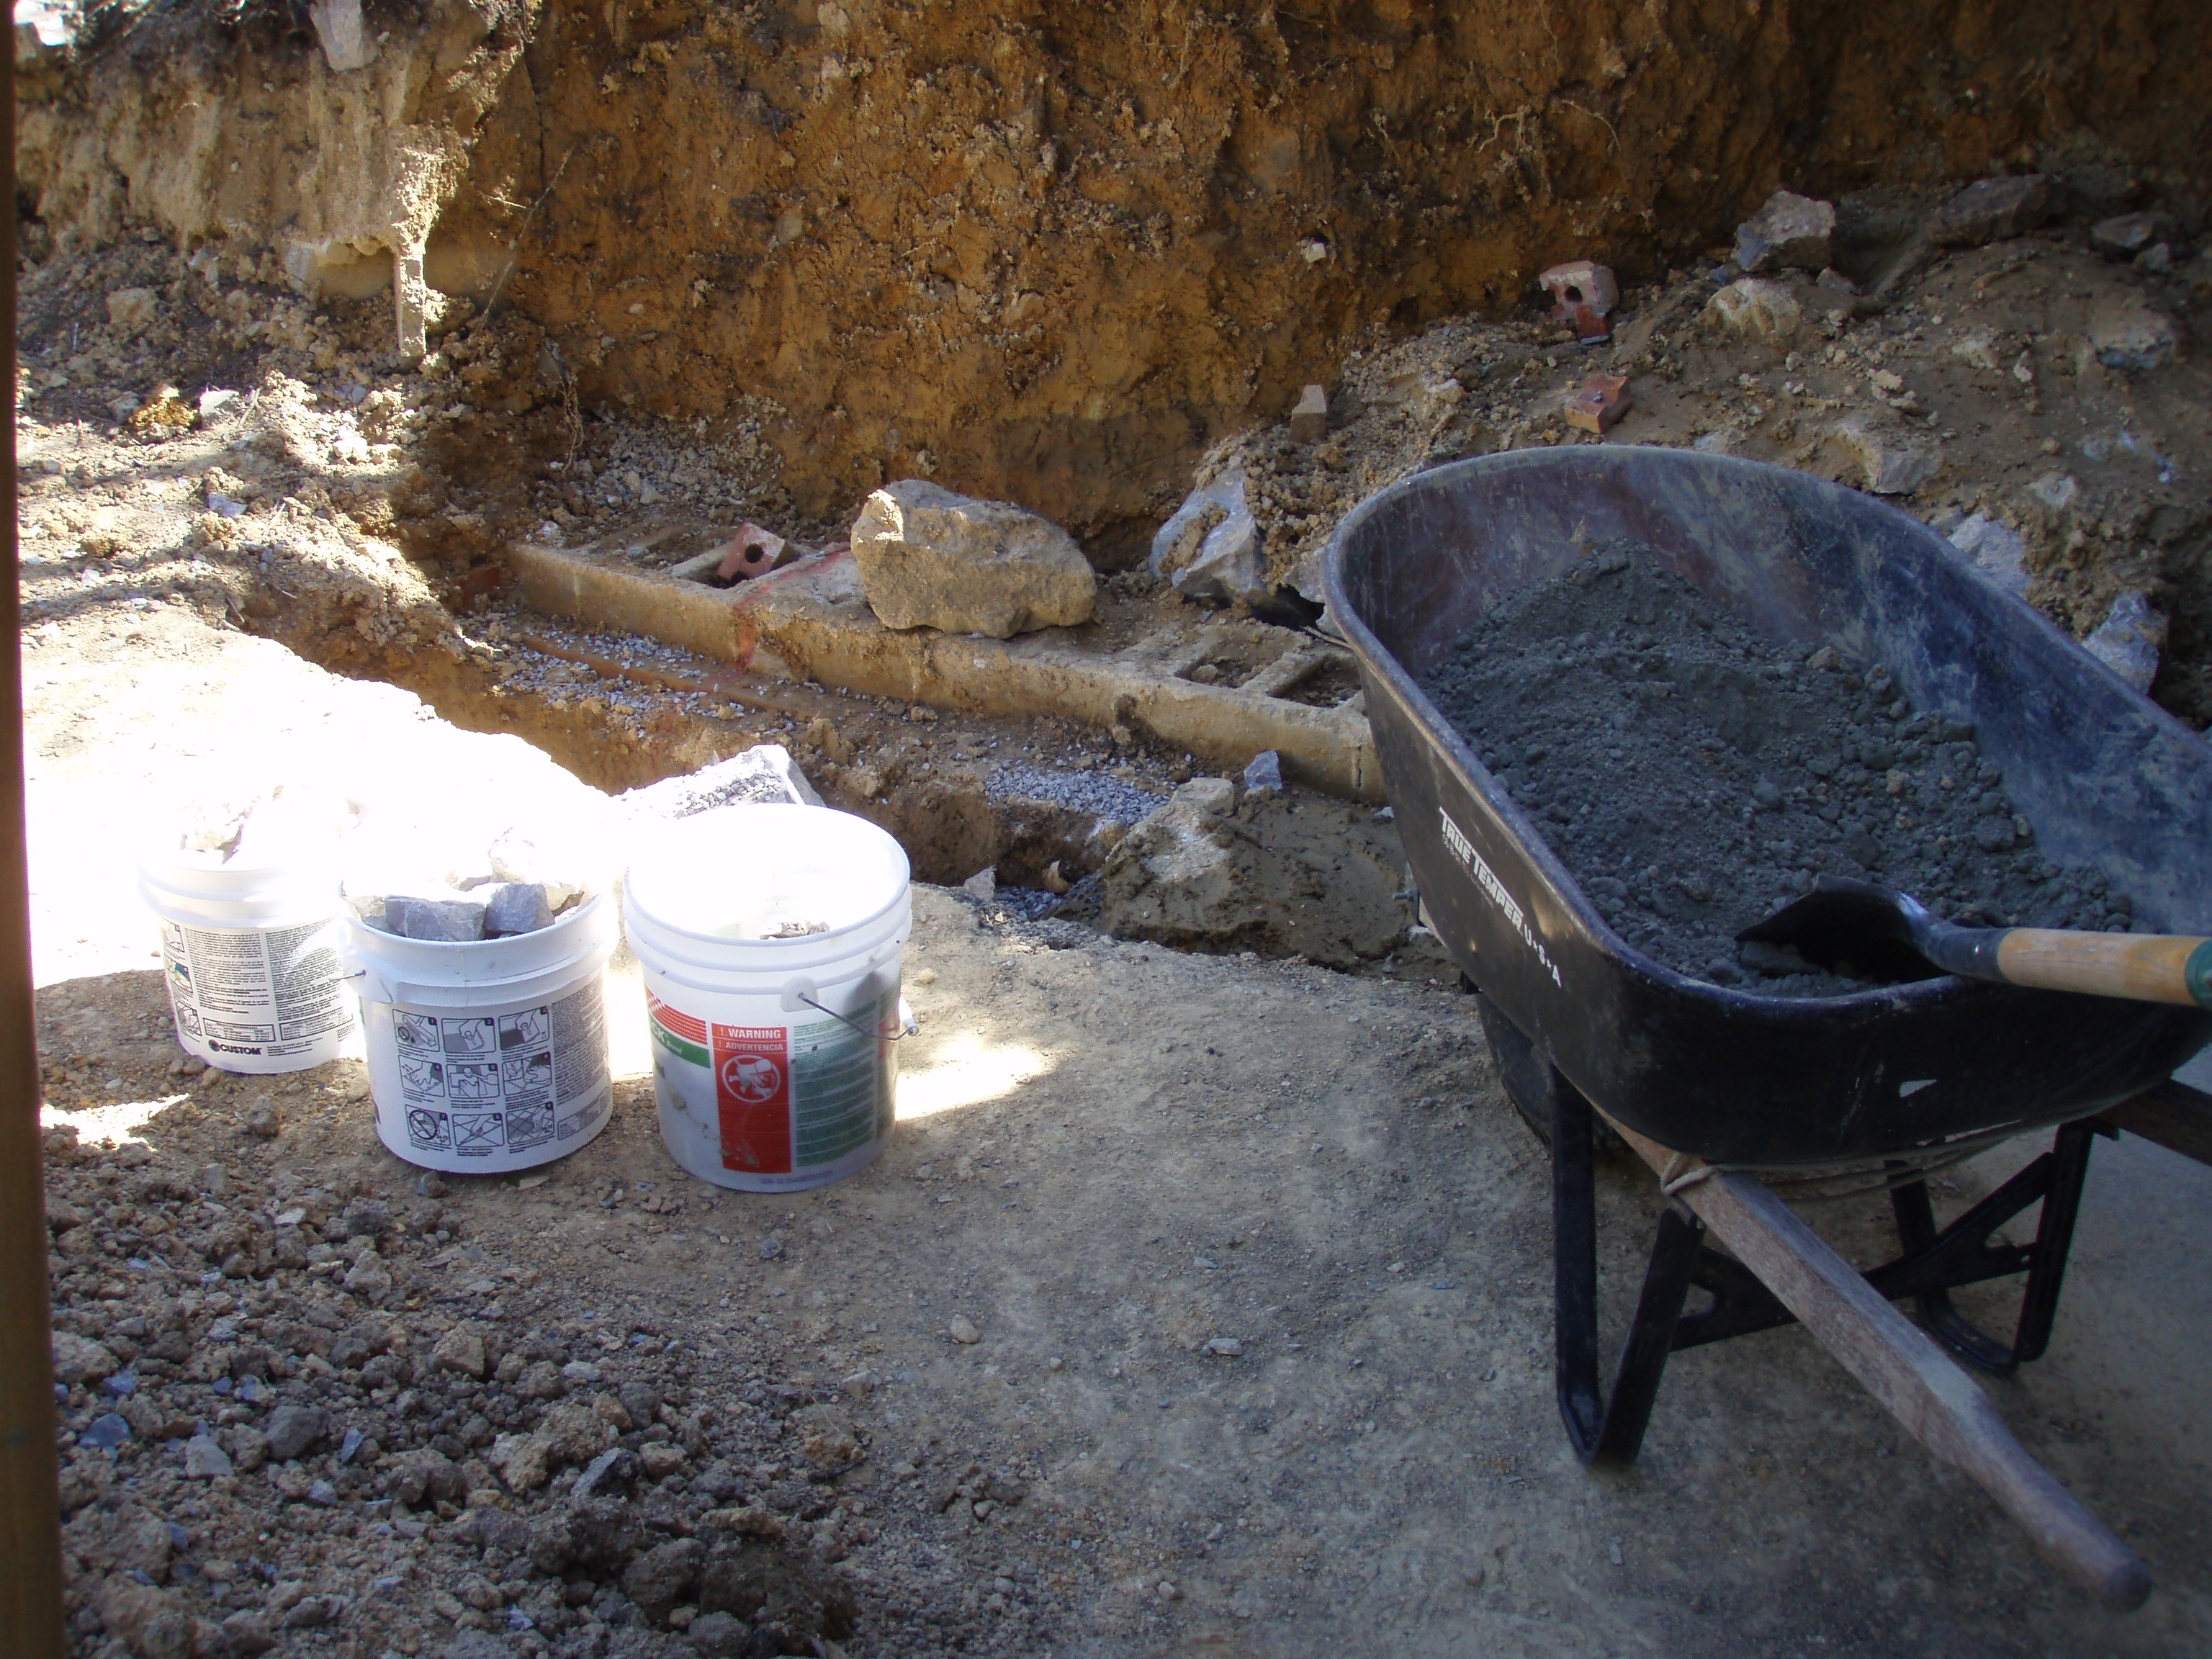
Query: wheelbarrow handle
x,y
2142,966
1912,1379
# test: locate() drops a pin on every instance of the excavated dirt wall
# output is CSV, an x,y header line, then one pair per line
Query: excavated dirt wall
x,y
1046,252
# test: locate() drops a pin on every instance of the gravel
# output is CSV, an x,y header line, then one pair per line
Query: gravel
x,y
1107,798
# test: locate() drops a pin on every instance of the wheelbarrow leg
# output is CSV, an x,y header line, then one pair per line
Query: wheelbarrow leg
x,y
1601,1431
2055,1179
1908,1375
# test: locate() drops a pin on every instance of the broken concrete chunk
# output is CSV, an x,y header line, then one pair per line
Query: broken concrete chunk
x,y
765,773
1310,419
929,558
442,921
2130,638
1997,548
2127,332
1211,549
1894,461
1755,308
516,907
1583,292
1791,232
1990,211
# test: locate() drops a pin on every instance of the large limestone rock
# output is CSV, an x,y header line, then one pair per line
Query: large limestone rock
x,y
929,558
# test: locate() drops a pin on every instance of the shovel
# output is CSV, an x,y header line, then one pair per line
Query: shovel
x,y
1889,936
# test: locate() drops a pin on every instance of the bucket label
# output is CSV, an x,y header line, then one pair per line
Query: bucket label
x,y
273,993
484,1085
786,1098
752,1092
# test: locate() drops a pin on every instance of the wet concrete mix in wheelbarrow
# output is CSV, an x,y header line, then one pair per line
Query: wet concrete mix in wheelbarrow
x,y
1694,775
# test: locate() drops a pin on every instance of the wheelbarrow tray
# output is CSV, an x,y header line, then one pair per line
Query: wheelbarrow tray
x,y
2105,777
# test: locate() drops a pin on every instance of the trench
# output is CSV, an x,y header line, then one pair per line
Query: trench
x,y
950,827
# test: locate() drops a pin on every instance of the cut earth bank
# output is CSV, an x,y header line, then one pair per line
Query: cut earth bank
x,y
1253,1256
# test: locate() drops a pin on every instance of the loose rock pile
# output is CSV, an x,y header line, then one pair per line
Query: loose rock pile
x,y
239,1365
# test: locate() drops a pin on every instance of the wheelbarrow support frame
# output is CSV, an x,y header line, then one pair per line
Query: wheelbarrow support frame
x,y
1779,1271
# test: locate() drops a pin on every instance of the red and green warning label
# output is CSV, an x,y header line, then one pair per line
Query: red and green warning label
x,y
786,1098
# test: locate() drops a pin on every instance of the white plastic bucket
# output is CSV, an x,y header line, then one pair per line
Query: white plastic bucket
x,y
251,957
773,1058
488,1055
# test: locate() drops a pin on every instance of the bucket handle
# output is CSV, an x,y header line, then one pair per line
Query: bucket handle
x,y
801,991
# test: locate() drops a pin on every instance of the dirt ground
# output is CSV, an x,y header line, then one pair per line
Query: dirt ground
x,y
1108,1158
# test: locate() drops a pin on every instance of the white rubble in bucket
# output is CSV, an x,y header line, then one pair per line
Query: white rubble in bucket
x,y
291,823
516,857
765,774
408,882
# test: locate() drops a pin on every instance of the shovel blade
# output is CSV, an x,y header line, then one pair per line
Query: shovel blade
x,y
1843,925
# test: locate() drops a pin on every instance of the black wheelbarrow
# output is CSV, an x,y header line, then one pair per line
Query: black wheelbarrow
x,y
1709,1083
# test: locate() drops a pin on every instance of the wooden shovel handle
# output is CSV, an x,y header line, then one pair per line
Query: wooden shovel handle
x,y
2142,966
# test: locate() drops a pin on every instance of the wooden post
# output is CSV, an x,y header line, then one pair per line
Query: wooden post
x,y
30,1512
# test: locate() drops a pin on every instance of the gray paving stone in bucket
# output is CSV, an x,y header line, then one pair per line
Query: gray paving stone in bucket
x,y
516,907
448,921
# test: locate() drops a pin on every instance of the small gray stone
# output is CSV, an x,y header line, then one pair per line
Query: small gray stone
x,y
1790,232
445,922
2129,333
516,907
1895,460
1997,548
720,1636
1990,211
248,1633
369,1279
79,1359
611,1473
2130,638
293,1431
2128,234
1265,771
205,1459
